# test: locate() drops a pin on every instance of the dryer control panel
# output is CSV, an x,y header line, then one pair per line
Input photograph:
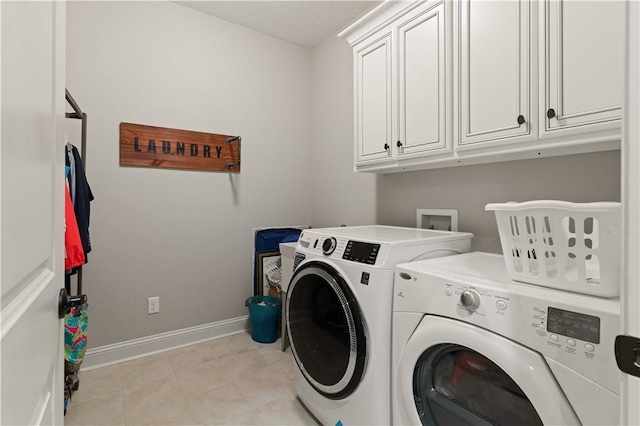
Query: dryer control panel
x,y
573,324
577,331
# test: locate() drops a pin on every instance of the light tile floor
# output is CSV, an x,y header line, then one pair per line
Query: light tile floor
x,y
229,381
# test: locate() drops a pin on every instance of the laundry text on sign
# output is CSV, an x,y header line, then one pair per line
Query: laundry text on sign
x,y
150,146
178,148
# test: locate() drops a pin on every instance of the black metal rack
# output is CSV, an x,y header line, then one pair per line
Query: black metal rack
x,y
78,114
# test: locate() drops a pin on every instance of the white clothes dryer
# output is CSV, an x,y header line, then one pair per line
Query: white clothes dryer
x,y
338,313
472,347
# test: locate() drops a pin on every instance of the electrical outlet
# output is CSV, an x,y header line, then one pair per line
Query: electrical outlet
x,y
153,305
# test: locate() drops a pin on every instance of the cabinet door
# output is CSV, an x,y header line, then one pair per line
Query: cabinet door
x,y
495,80
373,85
584,56
422,75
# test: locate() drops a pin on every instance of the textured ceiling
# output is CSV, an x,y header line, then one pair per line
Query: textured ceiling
x,y
304,22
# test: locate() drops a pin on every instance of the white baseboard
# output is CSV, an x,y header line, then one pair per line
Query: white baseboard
x,y
136,348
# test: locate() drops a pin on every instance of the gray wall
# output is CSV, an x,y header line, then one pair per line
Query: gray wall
x,y
338,195
185,236
577,178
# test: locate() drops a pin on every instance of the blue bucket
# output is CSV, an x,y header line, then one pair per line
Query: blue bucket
x,y
264,313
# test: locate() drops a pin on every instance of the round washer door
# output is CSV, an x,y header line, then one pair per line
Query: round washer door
x,y
326,330
454,372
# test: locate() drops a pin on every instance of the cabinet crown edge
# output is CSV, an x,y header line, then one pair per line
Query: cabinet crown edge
x,y
377,18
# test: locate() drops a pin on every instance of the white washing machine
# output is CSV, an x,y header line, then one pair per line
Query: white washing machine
x,y
338,313
472,347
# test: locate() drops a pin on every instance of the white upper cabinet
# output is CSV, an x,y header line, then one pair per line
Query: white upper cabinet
x,y
583,66
373,130
422,126
494,51
456,82
402,85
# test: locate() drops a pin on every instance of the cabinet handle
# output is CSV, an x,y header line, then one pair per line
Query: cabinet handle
x,y
398,144
521,119
386,147
551,113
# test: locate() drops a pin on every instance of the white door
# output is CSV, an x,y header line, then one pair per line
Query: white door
x,y
32,211
584,58
495,77
422,76
374,97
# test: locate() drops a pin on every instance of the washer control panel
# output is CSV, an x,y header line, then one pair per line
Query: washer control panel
x,y
332,247
357,251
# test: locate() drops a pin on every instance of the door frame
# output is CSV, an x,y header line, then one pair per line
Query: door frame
x,y
630,159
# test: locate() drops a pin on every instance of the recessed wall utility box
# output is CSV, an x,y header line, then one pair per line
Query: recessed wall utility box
x,y
438,219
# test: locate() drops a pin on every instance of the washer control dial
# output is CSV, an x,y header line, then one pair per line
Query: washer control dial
x,y
329,246
470,299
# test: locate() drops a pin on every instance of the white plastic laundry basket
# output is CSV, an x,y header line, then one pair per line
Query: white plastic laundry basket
x,y
570,246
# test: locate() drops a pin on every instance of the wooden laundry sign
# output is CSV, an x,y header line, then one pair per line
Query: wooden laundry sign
x,y
149,146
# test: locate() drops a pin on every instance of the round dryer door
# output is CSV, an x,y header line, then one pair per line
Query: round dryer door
x,y
457,385
326,330
452,372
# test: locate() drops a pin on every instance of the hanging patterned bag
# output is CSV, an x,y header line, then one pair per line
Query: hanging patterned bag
x,y
75,343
